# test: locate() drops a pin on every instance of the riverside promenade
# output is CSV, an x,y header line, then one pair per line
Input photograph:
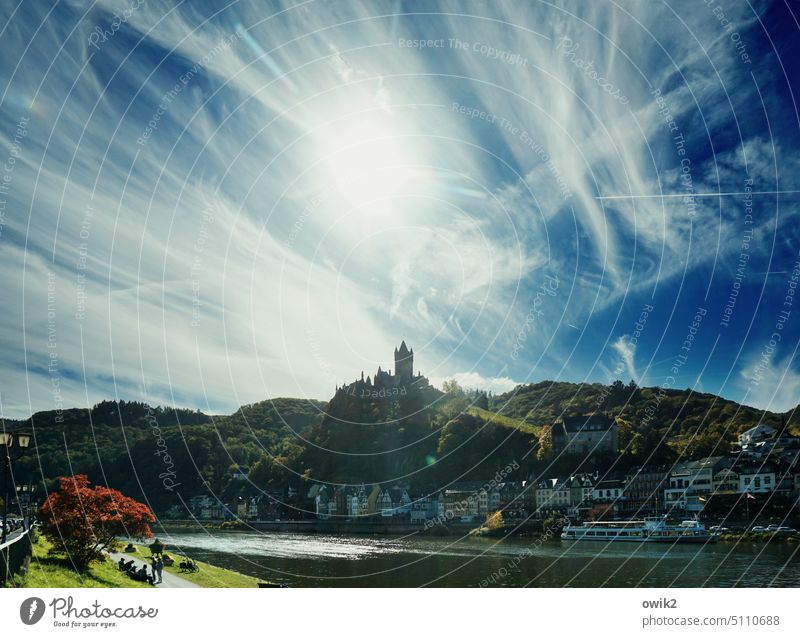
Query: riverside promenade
x,y
170,580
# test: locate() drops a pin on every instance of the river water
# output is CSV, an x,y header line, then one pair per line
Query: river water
x,y
386,561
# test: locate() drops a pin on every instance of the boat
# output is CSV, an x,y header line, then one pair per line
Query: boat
x,y
651,529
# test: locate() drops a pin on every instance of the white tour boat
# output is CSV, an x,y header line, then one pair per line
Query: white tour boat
x,y
653,529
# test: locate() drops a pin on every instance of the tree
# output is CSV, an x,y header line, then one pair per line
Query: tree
x,y
494,521
600,512
452,388
553,524
480,400
82,521
545,451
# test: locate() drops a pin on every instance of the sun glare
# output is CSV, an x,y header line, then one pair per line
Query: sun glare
x,y
369,164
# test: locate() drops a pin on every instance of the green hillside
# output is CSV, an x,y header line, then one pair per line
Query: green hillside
x,y
161,455
668,422
144,451
504,421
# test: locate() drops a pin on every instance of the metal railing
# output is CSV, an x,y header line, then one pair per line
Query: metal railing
x,y
15,556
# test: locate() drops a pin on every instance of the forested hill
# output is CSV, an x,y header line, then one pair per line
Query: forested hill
x,y
138,448
690,422
144,450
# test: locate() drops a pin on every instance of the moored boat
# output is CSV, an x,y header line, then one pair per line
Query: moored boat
x,y
652,529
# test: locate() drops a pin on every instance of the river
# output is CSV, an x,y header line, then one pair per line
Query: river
x,y
357,561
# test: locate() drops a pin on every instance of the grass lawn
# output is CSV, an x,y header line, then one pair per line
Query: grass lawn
x,y
48,571
208,576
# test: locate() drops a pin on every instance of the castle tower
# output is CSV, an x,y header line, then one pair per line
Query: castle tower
x,y
404,363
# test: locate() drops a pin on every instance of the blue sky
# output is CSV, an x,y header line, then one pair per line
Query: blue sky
x,y
208,205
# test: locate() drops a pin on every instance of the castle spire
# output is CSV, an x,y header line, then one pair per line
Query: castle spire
x,y
404,362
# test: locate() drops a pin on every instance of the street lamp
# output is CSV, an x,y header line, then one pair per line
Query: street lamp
x,y
24,499
7,440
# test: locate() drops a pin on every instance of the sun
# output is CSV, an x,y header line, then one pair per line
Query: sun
x,y
369,163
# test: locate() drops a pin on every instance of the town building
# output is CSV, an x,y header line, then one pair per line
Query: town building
x,y
323,497
552,495
748,439
205,507
725,481
763,442
385,506
580,489
510,498
461,501
644,490
608,491
691,481
423,509
594,433
757,478
240,474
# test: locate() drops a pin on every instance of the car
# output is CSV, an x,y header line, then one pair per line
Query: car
x,y
719,529
786,529
773,527
758,529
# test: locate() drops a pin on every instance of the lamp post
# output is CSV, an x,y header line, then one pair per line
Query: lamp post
x,y
24,496
7,440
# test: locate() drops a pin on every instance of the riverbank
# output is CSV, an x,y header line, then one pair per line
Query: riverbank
x,y
364,527
55,571
750,536
209,576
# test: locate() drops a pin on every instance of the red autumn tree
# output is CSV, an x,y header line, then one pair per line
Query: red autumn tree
x,y
83,520
600,512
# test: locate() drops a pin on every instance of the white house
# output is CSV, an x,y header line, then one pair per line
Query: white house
x,y
691,481
384,506
401,501
352,505
553,494
608,491
755,434
324,502
239,473
725,481
757,479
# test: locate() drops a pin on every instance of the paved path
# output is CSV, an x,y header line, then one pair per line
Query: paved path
x,y
170,579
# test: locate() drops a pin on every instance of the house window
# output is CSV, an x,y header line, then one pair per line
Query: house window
x,y
746,481
757,483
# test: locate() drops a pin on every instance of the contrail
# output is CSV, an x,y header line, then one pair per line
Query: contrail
x,y
702,194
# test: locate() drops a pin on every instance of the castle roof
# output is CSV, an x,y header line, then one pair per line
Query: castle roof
x,y
403,348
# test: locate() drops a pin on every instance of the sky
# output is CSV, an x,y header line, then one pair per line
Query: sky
x,y
207,205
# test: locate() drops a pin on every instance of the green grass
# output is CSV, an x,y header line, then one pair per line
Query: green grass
x,y
504,421
208,576
54,571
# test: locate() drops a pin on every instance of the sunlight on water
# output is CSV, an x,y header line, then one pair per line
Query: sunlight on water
x,y
325,560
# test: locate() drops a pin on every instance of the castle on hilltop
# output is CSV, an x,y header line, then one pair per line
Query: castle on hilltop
x,y
384,383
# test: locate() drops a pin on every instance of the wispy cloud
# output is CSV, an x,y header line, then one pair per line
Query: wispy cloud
x,y
627,354
188,188
473,380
